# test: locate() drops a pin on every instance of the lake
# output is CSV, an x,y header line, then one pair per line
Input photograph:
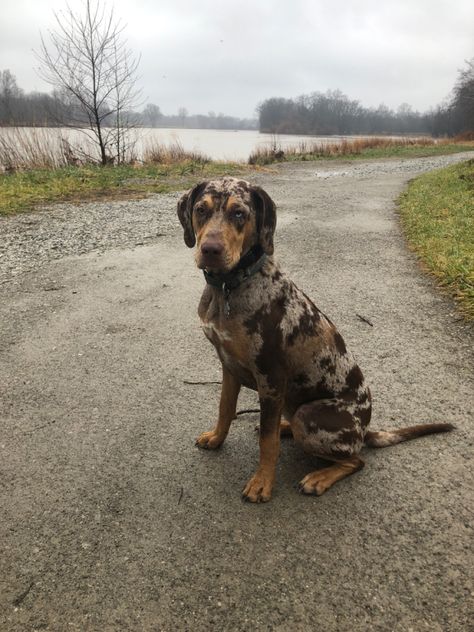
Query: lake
x,y
227,144
217,144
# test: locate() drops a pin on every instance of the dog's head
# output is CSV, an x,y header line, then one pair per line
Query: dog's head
x,y
225,218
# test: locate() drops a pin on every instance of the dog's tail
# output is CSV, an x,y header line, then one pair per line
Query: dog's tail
x,y
384,438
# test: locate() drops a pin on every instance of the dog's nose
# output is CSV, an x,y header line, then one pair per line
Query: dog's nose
x,y
212,248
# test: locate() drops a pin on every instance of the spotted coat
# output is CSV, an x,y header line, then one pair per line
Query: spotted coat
x,y
270,337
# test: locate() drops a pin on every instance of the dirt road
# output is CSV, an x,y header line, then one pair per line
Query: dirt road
x,y
112,520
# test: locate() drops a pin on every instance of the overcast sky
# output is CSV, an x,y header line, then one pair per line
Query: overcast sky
x,y
229,55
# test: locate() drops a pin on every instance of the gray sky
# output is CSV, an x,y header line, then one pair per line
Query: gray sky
x,y
228,56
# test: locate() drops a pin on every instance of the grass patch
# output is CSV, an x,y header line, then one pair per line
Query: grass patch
x,y
25,190
358,148
437,215
42,169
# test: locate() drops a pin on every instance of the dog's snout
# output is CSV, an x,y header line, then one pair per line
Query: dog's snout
x,y
212,248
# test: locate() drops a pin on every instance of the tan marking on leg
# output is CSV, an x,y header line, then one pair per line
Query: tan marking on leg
x,y
227,409
259,488
285,428
321,480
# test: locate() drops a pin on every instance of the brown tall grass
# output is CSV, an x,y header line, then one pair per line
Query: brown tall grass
x,y
34,148
159,153
465,137
344,147
23,149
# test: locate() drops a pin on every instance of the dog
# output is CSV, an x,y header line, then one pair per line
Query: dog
x,y
271,338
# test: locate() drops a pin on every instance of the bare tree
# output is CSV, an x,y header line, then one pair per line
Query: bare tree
x,y
151,115
463,98
87,60
9,91
183,113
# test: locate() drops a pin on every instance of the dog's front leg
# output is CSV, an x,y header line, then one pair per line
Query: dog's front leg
x,y
259,487
227,409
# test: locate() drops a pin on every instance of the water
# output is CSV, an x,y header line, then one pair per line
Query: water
x,y
227,144
217,144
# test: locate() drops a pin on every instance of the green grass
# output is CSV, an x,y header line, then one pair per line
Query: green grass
x,y
25,190
437,215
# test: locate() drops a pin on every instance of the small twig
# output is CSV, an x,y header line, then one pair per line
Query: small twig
x,y
206,382
180,495
21,597
48,423
53,288
248,410
365,320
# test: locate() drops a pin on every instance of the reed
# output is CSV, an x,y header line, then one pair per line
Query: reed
x,y
34,148
25,149
312,150
158,153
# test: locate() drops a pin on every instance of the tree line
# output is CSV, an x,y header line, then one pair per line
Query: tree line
x,y
151,116
20,108
333,112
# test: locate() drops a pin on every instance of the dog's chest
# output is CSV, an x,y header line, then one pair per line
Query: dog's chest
x,y
235,350
229,340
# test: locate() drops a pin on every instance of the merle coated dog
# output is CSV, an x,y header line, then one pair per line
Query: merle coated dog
x,y
270,337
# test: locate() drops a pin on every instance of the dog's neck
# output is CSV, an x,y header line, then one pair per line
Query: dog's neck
x,y
250,263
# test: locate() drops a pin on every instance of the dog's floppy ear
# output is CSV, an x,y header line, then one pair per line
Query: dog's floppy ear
x,y
266,217
185,212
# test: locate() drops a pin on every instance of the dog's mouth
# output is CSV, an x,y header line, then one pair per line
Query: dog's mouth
x,y
215,262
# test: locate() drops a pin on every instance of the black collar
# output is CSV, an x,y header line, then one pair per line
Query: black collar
x,y
248,265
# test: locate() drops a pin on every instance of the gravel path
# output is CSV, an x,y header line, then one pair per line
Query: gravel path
x,y
29,240
110,518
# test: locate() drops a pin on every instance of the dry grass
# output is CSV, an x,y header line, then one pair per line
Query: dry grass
x,y
38,148
311,150
25,149
465,137
161,154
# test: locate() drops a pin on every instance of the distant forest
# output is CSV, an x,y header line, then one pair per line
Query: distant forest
x,y
333,112
20,108
318,113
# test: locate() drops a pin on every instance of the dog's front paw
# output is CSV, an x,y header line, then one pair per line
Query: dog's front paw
x,y
259,488
210,440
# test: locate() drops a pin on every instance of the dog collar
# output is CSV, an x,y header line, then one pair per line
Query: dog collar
x,y
248,265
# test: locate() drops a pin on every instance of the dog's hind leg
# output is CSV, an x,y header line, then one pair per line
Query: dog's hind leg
x,y
332,429
319,481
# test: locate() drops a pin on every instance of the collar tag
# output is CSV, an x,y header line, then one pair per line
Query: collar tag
x,y
226,292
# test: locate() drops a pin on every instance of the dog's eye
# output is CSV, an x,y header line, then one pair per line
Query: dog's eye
x,y
201,211
238,214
